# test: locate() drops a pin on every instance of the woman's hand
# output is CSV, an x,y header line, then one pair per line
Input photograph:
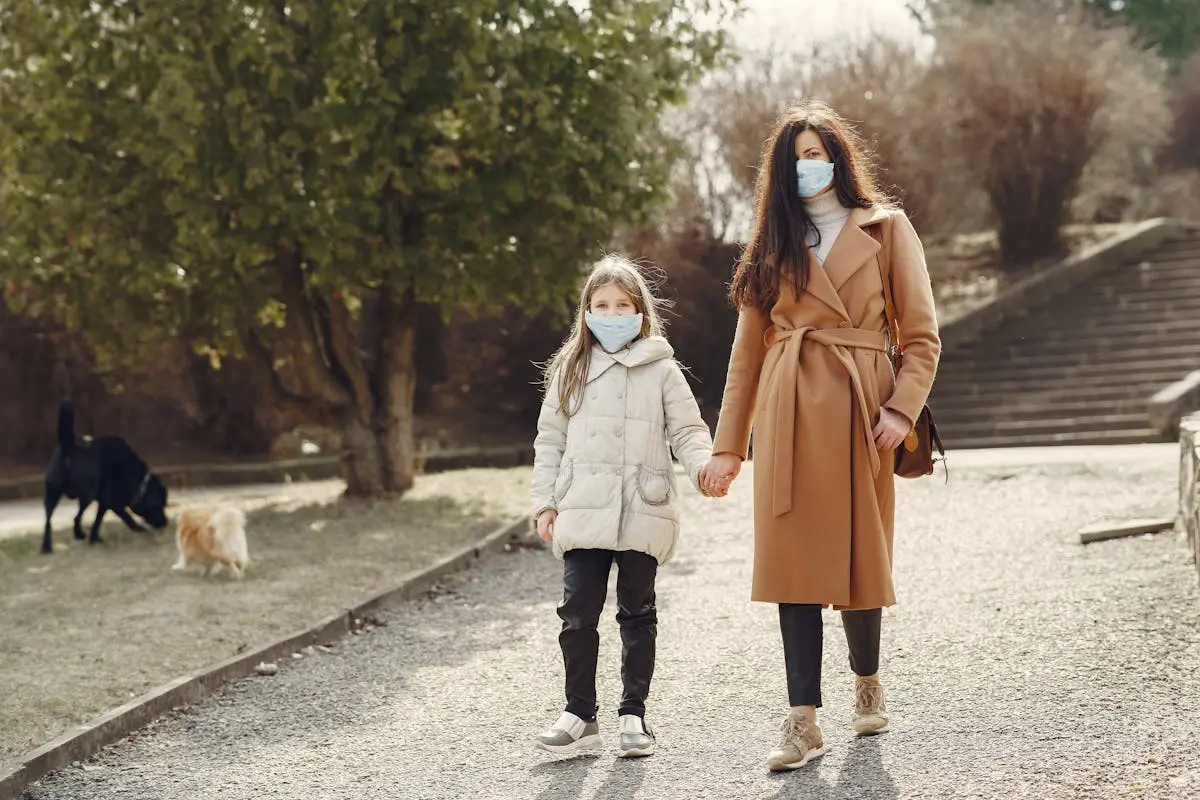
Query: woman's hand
x,y
545,522
718,474
891,429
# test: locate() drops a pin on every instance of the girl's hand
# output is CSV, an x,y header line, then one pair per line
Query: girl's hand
x,y
545,522
718,474
891,429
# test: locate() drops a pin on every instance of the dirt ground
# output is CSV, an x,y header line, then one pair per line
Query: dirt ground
x,y
88,628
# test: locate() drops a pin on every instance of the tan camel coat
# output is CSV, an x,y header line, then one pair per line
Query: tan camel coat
x,y
810,380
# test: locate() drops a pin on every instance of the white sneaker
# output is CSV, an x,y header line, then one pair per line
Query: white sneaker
x,y
636,737
570,734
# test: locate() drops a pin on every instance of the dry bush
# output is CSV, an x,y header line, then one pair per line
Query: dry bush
x,y
1031,98
723,130
1183,148
880,84
876,81
1177,194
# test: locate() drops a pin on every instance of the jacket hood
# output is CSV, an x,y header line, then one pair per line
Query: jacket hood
x,y
641,351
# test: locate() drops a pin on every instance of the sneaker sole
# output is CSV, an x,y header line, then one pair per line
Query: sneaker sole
x,y
870,730
636,752
809,756
586,744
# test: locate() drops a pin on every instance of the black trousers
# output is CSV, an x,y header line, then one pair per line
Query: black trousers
x,y
585,584
803,640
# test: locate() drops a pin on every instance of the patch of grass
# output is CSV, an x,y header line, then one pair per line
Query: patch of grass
x,y
90,627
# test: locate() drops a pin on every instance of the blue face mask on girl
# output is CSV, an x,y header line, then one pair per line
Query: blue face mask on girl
x,y
613,333
813,176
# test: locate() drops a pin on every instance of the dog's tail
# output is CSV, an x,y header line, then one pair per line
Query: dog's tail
x,y
66,426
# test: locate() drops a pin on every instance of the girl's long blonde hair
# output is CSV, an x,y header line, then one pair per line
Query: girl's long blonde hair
x,y
568,368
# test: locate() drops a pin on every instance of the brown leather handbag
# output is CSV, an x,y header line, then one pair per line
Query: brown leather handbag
x,y
914,456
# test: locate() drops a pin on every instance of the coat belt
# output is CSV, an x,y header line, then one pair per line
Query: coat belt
x,y
784,385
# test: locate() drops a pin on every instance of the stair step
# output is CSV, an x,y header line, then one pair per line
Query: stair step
x,y
1052,425
1178,366
1180,246
1172,295
1056,408
1069,361
1035,354
948,395
996,390
1105,319
1123,436
1147,333
1173,269
1114,329
1167,298
1175,265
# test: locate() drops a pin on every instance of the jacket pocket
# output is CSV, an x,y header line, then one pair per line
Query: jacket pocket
x,y
562,484
654,486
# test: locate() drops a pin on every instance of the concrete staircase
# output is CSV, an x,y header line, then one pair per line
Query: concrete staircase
x,y
1079,366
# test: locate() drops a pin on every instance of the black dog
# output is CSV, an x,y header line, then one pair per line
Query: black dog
x,y
104,470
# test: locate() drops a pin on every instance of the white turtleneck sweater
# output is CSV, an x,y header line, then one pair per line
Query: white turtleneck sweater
x,y
829,215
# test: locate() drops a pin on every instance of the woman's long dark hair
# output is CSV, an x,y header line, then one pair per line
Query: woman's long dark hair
x,y
781,221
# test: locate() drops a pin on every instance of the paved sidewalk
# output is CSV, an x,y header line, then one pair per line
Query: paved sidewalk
x,y
1020,664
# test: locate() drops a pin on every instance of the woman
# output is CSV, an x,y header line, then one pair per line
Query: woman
x,y
810,371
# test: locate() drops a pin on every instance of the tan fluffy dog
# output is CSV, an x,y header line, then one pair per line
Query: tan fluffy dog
x,y
212,538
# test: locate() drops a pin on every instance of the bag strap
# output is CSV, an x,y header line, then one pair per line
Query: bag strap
x,y
889,307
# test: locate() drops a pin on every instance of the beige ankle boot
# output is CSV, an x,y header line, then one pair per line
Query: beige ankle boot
x,y
870,707
801,743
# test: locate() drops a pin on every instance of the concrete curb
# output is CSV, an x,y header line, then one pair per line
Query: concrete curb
x,y
1045,284
295,469
1189,483
84,741
1173,402
1106,530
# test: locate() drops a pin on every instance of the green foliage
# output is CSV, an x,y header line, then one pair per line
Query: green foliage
x,y
1171,27
166,164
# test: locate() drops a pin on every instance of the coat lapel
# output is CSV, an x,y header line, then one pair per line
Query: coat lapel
x,y
820,287
853,248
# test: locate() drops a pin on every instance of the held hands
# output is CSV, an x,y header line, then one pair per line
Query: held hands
x,y
545,525
891,429
718,474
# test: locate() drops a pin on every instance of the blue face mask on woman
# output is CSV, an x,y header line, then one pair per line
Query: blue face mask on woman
x,y
613,333
813,176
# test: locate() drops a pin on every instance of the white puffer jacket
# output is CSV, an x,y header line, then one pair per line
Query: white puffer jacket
x,y
607,470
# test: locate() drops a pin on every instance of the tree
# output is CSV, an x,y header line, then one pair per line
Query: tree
x,y
1030,96
1170,27
286,180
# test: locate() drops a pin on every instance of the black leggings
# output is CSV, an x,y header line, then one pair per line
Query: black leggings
x,y
585,582
803,640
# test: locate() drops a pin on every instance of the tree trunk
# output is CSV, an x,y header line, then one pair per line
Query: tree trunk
x,y
379,457
398,389
362,459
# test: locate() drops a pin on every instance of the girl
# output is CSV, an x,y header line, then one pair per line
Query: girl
x,y
604,490
810,369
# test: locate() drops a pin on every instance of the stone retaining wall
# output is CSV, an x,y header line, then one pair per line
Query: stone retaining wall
x,y
1189,482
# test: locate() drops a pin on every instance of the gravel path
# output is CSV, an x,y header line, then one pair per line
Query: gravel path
x,y
1019,663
